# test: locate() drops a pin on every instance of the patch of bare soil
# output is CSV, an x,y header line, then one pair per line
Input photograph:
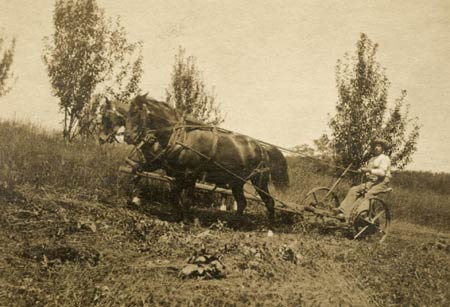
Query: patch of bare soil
x,y
58,250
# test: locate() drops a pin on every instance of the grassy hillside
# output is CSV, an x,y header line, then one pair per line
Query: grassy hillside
x,y
68,238
32,156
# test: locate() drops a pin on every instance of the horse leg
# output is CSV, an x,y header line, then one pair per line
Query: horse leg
x,y
183,194
135,194
177,202
189,191
261,182
238,193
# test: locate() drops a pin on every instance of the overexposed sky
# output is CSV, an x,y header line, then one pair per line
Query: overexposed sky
x,y
272,63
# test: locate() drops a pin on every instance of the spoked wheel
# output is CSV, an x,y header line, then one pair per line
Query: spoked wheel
x,y
320,198
374,222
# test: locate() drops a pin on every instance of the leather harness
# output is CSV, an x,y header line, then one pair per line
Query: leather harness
x,y
179,135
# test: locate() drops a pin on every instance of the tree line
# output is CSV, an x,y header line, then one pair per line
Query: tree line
x,y
88,57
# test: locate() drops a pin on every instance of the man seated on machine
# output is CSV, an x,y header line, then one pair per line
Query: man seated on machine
x,y
378,174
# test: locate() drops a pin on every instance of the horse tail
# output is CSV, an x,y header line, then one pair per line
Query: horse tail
x,y
278,168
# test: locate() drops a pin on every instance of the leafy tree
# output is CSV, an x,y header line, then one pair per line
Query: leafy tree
x,y
187,91
303,150
362,114
6,60
323,148
89,54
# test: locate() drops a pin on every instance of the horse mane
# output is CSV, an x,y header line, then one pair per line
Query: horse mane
x,y
169,110
164,104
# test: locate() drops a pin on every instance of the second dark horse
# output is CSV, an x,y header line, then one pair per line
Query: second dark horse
x,y
189,150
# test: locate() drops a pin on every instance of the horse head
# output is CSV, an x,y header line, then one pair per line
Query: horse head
x,y
141,119
147,116
112,122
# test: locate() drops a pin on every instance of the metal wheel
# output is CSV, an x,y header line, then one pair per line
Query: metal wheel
x,y
320,198
373,222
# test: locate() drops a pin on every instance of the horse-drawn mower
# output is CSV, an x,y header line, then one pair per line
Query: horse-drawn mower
x,y
370,218
188,150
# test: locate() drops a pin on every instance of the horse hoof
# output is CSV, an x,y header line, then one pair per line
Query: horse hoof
x,y
136,201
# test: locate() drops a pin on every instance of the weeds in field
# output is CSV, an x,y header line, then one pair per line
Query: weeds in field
x,y
30,155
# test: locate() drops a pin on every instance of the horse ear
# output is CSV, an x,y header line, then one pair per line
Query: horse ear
x,y
143,96
140,98
109,105
106,103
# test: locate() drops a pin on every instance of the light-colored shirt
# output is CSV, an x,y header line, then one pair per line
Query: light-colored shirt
x,y
380,167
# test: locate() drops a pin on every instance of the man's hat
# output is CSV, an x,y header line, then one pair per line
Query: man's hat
x,y
381,142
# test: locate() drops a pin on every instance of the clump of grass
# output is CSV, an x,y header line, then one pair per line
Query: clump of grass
x,y
423,181
306,174
426,207
30,155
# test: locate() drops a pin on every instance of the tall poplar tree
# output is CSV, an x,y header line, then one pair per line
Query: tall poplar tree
x,y
362,113
187,91
88,54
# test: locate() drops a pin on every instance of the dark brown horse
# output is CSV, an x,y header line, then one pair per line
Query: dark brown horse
x,y
189,150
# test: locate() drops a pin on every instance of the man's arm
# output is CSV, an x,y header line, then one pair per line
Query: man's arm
x,y
382,168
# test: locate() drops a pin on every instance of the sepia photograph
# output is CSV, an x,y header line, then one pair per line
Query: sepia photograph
x,y
161,153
